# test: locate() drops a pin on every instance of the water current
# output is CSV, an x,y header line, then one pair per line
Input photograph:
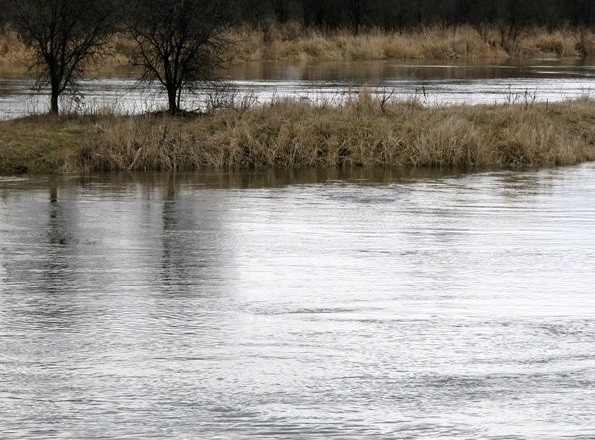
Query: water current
x,y
321,304
329,82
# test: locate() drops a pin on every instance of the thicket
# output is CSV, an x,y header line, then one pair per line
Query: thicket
x,y
511,15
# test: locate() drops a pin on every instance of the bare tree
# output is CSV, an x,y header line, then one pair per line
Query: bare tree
x,y
179,42
64,35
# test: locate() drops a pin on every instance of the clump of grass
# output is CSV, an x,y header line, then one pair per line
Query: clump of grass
x,y
15,58
586,44
561,43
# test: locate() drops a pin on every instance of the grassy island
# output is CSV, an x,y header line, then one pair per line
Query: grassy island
x,y
293,134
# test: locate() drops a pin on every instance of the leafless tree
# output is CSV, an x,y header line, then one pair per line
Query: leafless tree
x,y
64,35
179,42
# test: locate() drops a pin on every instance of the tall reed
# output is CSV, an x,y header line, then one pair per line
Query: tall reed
x,y
363,131
293,42
297,134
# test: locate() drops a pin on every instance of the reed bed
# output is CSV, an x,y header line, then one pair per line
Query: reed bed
x,y
16,59
14,56
293,42
291,134
296,43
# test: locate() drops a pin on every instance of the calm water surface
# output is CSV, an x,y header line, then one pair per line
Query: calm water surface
x,y
332,82
322,305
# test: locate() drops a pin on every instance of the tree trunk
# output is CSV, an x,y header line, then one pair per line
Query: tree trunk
x,y
172,100
54,100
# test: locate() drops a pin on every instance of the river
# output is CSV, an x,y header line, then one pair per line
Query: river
x,y
319,304
329,82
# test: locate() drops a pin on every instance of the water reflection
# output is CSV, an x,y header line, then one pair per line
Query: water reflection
x,y
431,83
371,71
354,303
187,263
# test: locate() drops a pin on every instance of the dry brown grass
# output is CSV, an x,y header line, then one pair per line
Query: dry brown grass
x,y
15,58
294,42
41,144
291,134
297,134
561,43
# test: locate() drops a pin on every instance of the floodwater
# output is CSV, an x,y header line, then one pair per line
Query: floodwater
x,y
330,82
362,304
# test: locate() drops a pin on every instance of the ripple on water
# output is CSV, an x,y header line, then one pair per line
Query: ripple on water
x,y
444,307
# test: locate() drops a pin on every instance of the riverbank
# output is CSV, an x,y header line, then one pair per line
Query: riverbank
x,y
466,43
298,43
294,134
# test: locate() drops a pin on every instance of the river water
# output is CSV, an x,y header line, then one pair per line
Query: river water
x,y
329,82
323,304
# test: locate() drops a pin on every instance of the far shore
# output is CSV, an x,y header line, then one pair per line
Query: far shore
x,y
294,134
293,43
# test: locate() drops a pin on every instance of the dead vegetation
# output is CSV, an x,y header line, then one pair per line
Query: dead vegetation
x,y
298,134
293,42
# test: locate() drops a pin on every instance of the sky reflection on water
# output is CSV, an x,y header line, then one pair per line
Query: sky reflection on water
x,y
334,82
324,304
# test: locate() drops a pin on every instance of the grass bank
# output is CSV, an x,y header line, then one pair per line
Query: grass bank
x,y
294,134
293,42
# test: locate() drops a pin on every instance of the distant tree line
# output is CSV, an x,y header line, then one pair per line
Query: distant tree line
x,y
402,14
390,15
